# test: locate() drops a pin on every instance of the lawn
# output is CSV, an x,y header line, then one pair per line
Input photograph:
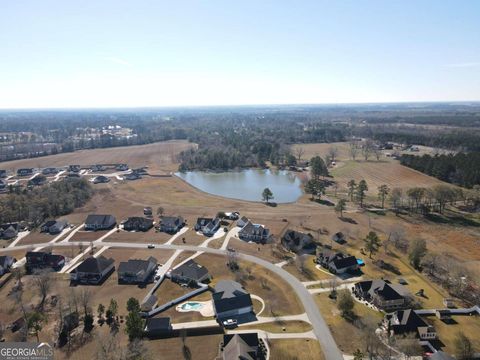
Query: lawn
x,y
469,325
279,327
340,327
295,349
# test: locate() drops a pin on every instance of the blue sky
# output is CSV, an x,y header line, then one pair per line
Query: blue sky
x,y
115,53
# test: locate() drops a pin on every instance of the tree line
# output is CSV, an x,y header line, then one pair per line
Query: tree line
x,y
49,201
460,169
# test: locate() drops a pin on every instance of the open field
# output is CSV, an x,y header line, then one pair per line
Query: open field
x,y
339,326
295,349
158,156
469,325
375,173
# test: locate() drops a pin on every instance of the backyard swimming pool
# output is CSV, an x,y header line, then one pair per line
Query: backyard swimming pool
x,y
191,306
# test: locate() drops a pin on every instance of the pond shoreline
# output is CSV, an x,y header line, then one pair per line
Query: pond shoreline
x,y
295,184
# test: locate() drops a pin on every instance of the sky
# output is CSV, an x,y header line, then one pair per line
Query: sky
x,y
114,53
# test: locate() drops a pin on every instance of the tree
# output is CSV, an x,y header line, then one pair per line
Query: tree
x,y
267,195
358,355
408,345
396,199
133,305
463,347
43,281
318,167
299,151
362,188
351,188
290,160
367,149
134,324
310,188
100,311
332,153
85,297
35,322
187,354
345,303
353,149
372,243
160,211
383,191
416,194
87,323
341,206
418,250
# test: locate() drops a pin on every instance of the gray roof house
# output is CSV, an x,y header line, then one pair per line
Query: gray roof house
x,y
241,346
337,262
254,232
298,242
207,226
171,224
93,271
190,271
25,172
136,271
54,226
137,223
100,222
230,300
158,327
382,294
6,263
242,221
408,321
8,231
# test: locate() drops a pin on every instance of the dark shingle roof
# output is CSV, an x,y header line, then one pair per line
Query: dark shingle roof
x,y
95,265
160,323
341,263
135,265
191,270
240,346
94,219
230,295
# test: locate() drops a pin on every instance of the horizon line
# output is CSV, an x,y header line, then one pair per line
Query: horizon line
x,y
133,107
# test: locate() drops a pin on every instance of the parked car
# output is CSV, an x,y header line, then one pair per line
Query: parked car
x,y
151,246
230,323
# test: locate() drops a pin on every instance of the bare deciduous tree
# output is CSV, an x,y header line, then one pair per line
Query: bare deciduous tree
x,y
43,280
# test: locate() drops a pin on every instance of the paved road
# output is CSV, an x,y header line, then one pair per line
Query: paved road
x,y
320,328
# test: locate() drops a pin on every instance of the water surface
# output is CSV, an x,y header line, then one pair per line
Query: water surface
x,y
247,184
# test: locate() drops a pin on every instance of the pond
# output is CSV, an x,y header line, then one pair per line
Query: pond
x,y
247,184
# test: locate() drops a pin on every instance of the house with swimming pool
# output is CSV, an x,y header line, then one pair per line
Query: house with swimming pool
x,y
231,300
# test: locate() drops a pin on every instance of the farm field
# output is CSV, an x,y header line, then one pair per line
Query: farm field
x,y
386,171
158,156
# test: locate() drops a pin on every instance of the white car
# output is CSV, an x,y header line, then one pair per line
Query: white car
x,y
230,323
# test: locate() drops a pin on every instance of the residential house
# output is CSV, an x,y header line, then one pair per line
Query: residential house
x,y
136,271
298,242
242,221
158,327
137,223
140,171
207,226
382,294
101,179
254,232
49,171
97,168
25,172
242,346
37,180
6,263
9,231
3,173
54,226
190,272
93,271
408,321
230,300
74,168
171,224
121,167
132,176
99,222
337,262
38,260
